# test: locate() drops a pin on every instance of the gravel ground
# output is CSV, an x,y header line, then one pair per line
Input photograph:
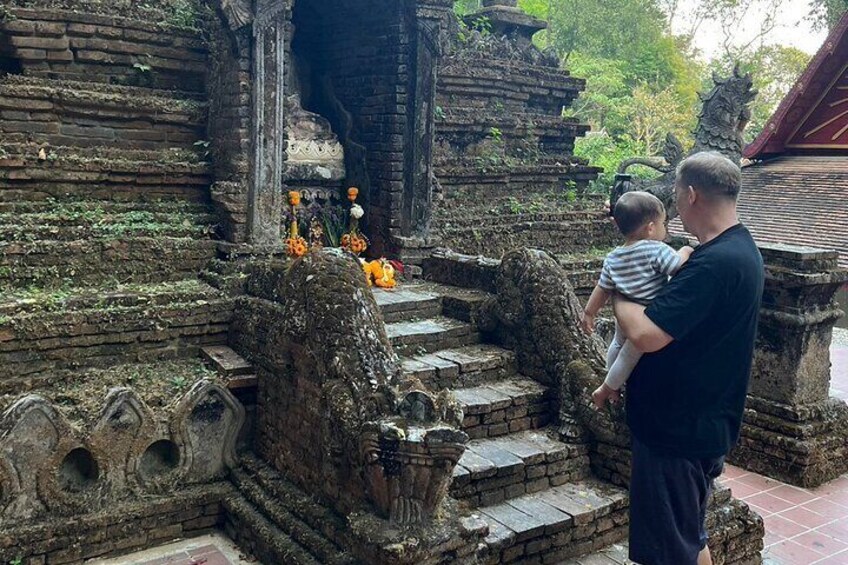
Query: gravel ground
x,y
840,336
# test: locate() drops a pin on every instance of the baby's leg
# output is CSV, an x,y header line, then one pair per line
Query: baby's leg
x,y
615,346
623,365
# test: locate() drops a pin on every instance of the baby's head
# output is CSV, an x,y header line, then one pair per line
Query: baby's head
x,y
640,215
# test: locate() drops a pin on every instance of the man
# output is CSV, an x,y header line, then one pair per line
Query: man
x,y
686,396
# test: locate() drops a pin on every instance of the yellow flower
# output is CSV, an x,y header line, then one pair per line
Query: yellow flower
x,y
352,193
294,197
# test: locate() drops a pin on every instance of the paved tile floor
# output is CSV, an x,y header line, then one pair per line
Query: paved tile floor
x,y
803,526
213,549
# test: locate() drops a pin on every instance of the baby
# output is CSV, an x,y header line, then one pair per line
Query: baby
x,y
637,270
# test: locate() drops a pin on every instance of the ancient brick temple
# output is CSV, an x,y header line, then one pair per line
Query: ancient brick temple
x,y
167,371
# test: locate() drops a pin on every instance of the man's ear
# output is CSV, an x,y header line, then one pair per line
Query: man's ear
x,y
691,194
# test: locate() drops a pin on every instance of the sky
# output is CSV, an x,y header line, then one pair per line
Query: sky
x,y
792,29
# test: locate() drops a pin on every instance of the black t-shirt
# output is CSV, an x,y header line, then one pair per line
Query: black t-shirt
x,y
687,399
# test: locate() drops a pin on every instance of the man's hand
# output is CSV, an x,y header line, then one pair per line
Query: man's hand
x,y
587,323
604,393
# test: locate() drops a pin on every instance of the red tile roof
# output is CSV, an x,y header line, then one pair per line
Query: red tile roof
x,y
805,110
797,200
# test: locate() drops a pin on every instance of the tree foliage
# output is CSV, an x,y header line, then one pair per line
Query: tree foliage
x,y
642,80
827,13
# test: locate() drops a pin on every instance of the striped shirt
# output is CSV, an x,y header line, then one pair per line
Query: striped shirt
x,y
639,271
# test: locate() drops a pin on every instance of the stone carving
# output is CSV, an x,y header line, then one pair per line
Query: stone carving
x,y
124,422
48,466
314,151
409,460
265,196
207,422
30,433
334,375
536,313
239,13
721,123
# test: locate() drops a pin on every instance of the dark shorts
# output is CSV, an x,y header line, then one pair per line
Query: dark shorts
x,y
668,504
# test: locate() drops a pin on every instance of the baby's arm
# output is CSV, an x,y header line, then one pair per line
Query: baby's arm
x,y
684,253
599,297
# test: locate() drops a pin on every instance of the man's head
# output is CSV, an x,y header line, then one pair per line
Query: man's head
x,y
640,215
706,183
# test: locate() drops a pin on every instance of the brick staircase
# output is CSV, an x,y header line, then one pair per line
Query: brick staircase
x,y
105,217
535,491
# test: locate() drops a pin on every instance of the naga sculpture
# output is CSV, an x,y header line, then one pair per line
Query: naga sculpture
x,y
721,123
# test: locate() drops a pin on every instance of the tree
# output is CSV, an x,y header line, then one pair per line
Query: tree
x,y
825,14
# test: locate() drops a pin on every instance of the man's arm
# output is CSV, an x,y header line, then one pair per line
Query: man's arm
x,y
638,328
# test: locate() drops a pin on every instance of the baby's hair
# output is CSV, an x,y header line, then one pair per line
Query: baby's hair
x,y
635,209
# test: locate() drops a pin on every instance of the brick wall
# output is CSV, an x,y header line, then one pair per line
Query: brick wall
x,y
229,92
80,46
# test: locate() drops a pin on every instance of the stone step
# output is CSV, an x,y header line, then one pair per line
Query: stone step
x,y
259,536
141,50
732,538
118,175
555,524
500,408
430,334
461,366
301,506
86,115
407,302
615,554
496,469
313,546
93,222
120,258
44,332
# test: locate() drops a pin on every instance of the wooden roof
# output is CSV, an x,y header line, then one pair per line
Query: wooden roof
x,y
797,200
813,117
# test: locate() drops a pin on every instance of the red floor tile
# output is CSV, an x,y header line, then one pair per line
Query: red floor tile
x,y
769,502
838,559
790,553
837,529
820,542
783,527
827,509
742,490
758,482
793,494
733,472
805,517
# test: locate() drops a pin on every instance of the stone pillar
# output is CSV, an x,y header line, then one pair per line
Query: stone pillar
x,y
265,197
793,430
426,22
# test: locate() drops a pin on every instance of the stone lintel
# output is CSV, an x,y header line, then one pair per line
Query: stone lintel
x,y
506,19
798,258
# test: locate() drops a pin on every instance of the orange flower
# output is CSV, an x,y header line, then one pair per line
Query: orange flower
x,y
296,246
352,193
294,197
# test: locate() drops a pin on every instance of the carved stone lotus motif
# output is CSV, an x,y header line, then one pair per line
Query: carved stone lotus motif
x,y
409,459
